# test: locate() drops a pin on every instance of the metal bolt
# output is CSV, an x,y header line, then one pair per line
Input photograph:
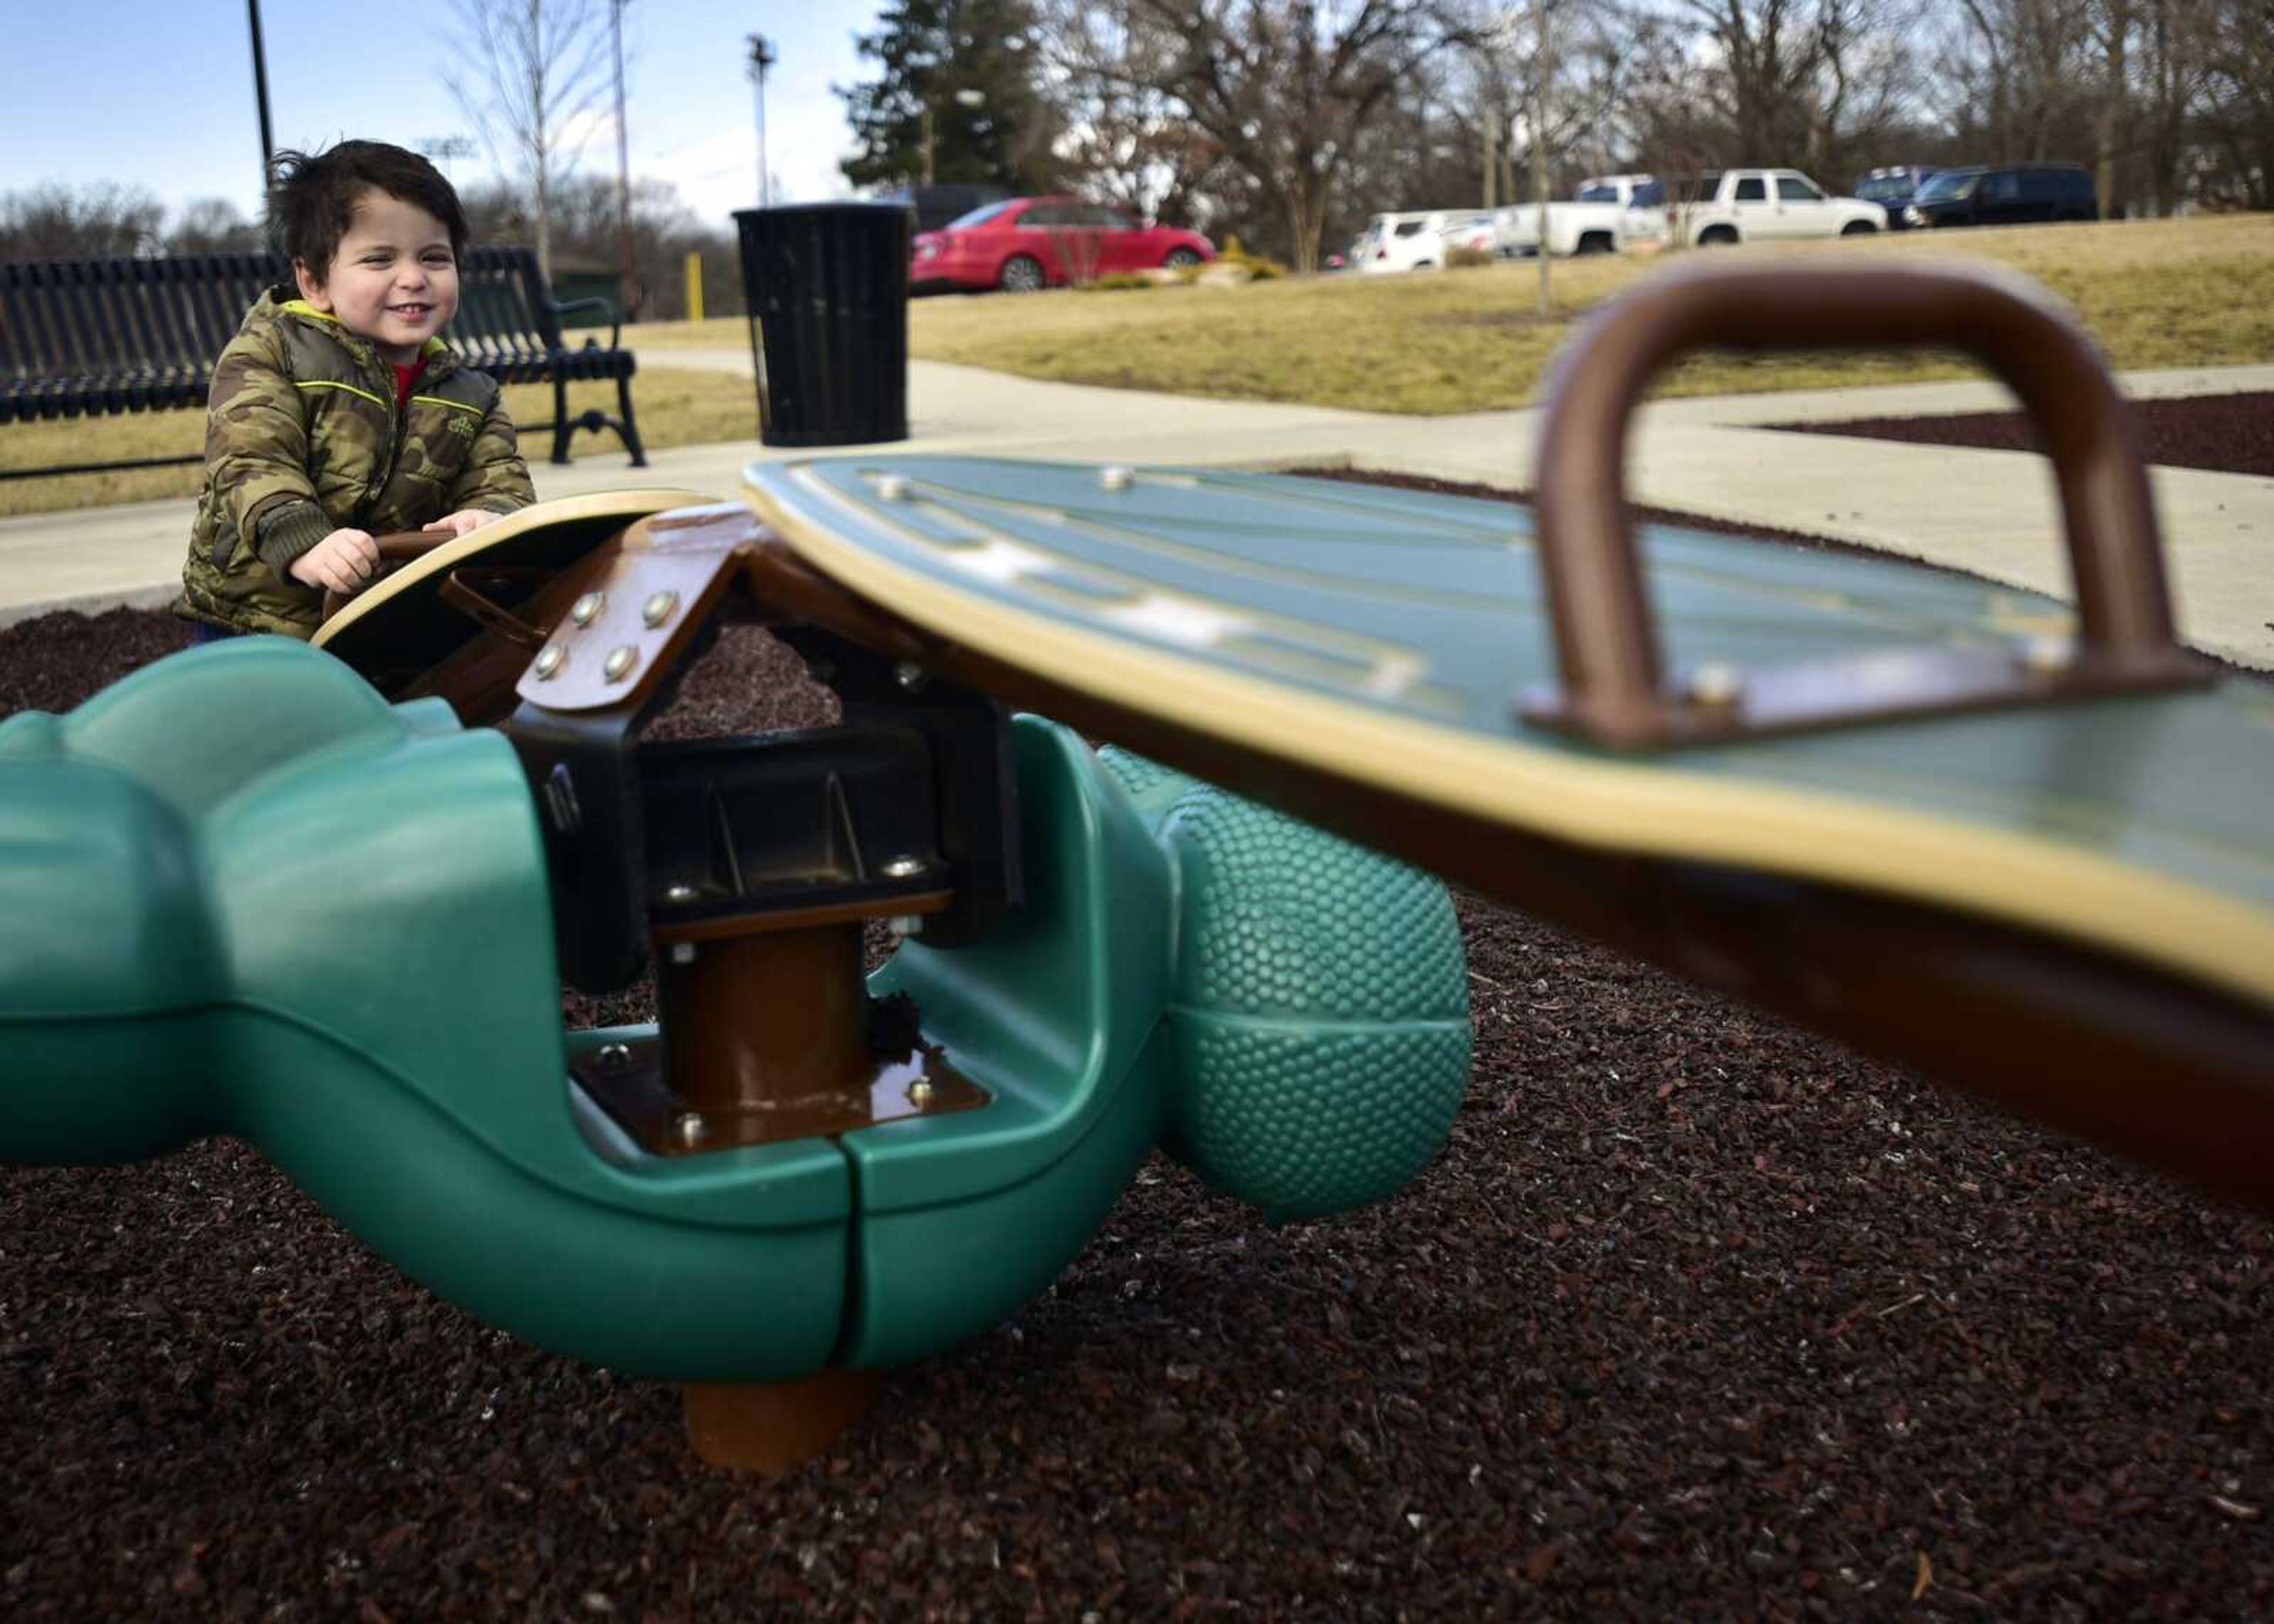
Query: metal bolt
x,y
1115,478
903,868
614,1056
550,662
682,952
657,608
2048,656
620,662
911,676
690,1130
1717,684
920,1092
587,608
891,488
679,896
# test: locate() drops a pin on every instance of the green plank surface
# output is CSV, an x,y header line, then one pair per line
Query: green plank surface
x,y
1429,607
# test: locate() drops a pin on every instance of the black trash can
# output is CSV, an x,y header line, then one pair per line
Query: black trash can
x,y
827,289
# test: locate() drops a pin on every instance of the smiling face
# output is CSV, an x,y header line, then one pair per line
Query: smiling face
x,y
393,279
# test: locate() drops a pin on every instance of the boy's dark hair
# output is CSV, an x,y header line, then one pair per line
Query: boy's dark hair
x,y
313,196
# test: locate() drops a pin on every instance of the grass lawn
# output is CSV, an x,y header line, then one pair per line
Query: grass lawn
x,y
2154,294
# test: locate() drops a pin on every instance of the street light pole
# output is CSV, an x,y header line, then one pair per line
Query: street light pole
x,y
446,148
762,57
628,280
260,91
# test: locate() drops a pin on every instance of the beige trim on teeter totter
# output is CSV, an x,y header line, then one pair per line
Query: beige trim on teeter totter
x,y
1614,806
626,505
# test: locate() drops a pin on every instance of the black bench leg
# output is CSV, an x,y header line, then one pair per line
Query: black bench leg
x,y
625,428
563,426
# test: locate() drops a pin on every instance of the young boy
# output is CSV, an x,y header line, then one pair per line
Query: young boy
x,y
339,415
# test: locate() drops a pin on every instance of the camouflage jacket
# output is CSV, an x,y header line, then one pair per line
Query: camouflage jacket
x,y
302,438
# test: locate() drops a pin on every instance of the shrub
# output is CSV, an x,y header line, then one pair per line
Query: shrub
x,y
1258,268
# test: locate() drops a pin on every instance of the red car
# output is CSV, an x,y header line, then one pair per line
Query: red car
x,y
1023,243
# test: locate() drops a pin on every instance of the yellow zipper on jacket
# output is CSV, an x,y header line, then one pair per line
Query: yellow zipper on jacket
x,y
398,417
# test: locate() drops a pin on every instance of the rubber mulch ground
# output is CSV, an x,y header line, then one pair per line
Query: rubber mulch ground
x,y
2229,433
1697,1316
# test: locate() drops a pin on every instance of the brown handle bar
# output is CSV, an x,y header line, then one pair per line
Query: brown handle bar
x,y
1606,645
394,547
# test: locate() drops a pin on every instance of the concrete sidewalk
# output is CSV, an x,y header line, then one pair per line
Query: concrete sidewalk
x,y
1992,512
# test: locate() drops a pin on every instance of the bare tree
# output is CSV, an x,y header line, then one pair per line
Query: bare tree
x,y
1132,142
1282,89
2175,76
2239,96
2112,23
1768,60
535,73
212,225
2017,73
58,223
1864,86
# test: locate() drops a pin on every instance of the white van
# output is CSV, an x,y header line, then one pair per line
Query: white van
x,y
1419,241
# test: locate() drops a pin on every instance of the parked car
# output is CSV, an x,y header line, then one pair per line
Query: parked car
x,y
1023,243
1727,206
1893,188
1418,240
2009,194
937,205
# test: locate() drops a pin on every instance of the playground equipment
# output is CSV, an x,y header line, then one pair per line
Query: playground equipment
x,y
322,898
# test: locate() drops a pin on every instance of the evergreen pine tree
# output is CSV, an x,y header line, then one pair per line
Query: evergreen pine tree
x,y
933,54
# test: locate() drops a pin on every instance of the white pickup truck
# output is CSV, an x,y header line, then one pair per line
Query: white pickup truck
x,y
1572,229
1609,212
1643,197
1726,207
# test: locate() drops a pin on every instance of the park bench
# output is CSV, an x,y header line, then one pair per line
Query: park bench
x,y
99,337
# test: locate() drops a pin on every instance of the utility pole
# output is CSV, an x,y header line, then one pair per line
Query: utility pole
x,y
261,92
627,279
762,57
1541,62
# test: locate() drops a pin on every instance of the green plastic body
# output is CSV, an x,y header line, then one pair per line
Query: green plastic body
x,y
242,894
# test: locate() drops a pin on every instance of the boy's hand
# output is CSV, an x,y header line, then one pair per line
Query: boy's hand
x,y
342,562
464,520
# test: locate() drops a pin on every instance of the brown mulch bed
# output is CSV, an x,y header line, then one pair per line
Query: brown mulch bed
x,y
2226,433
1697,1316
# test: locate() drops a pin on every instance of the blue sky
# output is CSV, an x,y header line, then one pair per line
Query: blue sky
x,y
159,94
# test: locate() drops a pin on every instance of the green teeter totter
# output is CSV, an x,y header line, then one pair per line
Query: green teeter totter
x,y
323,925
325,898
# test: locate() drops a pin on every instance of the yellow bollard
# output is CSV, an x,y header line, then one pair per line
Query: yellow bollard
x,y
694,285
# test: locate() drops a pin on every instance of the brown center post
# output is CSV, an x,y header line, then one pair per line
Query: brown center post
x,y
764,1026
